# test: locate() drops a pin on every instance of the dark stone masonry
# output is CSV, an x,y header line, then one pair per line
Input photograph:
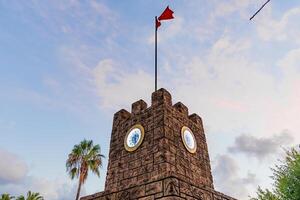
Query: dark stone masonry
x,y
161,167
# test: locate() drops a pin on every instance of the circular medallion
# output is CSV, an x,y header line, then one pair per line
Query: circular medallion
x,y
134,137
188,139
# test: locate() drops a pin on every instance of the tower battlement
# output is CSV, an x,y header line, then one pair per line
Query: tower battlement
x,y
158,152
160,97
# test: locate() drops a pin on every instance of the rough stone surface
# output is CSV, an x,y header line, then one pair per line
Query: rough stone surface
x,y
161,168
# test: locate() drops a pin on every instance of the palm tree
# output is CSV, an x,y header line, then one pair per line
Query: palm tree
x,y
6,197
84,157
31,196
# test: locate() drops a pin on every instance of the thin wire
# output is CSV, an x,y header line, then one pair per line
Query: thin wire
x,y
259,9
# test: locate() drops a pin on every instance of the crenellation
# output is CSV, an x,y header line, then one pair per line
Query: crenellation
x,y
180,107
161,96
196,119
121,116
138,106
161,167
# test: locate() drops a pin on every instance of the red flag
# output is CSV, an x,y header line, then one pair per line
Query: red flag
x,y
167,14
157,23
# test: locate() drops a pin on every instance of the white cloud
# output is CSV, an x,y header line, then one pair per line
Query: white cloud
x,y
226,81
118,88
50,189
233,92
285,29
289,64
104,11
260,148
228,180
288,95
167,30
15,180
12,168
56,189
223,8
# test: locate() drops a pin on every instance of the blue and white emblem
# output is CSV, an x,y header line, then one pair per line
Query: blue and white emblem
x,y
134,137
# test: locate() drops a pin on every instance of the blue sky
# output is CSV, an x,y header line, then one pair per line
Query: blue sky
x,y
67,66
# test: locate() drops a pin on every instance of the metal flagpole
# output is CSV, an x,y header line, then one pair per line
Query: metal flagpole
x,y
155,53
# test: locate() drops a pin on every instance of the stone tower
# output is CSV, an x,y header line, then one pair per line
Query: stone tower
x,y
161,160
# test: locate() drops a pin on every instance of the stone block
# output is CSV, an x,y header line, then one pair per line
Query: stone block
x,y
171,187
121,116
154,188
138,107
196,119
161,96
180,107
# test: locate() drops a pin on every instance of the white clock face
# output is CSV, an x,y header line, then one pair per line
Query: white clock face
x,y
188,139
134,138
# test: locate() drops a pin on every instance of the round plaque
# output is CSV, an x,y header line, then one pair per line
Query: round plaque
x,y
134,137
188,139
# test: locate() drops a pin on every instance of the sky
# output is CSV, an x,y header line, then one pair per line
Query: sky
x,y
66,66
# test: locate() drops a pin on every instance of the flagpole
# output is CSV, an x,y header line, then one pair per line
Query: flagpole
x,y
155,53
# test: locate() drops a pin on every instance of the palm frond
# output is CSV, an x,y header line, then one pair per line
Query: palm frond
x,y
21,197
83,158
6,196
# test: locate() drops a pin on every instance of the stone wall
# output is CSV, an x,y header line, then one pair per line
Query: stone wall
x,y
161,168
170,188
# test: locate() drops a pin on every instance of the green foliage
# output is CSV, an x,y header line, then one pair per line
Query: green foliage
x,y
6,197
31,196
286,178
264,195
83,158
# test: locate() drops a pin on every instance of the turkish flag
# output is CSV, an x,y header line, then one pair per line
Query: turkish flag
x,y
167,14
